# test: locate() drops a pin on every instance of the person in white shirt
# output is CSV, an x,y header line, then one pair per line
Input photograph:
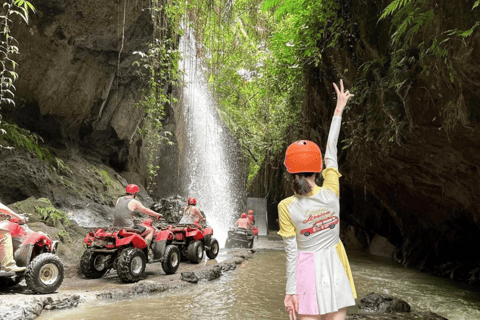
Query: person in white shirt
x,y
319,280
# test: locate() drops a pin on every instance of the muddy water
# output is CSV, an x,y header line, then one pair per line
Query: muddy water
x,y
255,291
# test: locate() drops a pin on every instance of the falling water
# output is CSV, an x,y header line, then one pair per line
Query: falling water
x,y
210,161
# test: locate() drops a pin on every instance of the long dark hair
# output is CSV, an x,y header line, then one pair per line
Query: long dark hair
x,y
300,184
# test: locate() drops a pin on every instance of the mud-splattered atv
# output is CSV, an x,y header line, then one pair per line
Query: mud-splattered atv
x,y
240,238
192,240
124,250
37,252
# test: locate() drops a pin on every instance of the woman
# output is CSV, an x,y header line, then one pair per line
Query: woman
x,y
319,280
191,213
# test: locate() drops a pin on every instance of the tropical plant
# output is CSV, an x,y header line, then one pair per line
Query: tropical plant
x,y
8,46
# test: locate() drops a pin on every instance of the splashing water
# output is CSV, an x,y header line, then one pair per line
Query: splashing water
x,y
210,166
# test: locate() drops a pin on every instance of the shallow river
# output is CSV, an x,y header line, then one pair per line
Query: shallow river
x,y
255,290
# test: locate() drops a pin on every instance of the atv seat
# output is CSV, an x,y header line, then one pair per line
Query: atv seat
x,y
136,229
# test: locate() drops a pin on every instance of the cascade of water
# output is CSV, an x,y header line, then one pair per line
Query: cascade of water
x,y
210,161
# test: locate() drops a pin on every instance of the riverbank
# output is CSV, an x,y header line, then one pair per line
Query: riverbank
x,y
254,290
17,303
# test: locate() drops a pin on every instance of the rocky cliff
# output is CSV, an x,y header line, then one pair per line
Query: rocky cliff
x,y
409,157
77,87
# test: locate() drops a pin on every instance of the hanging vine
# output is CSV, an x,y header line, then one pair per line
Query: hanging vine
x,y
158,67
9,48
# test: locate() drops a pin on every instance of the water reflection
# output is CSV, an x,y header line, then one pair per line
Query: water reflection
x,y
256,291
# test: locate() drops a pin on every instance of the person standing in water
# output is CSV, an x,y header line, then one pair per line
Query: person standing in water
x,y
319,280
125,210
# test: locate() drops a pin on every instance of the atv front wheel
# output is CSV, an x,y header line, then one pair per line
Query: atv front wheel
x,y
195,251
171,260
131,265
212,253
45,273
92,264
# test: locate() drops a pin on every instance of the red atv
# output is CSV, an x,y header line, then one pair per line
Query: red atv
x,y
36,251
193,240
124,250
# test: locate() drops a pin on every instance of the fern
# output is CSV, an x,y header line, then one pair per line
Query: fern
x,y
394,6
270,4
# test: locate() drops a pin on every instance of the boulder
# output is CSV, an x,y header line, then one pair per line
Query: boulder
x,y
376,302
381,247
209,274
189,277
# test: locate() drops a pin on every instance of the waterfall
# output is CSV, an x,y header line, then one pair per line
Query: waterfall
x,y
210,160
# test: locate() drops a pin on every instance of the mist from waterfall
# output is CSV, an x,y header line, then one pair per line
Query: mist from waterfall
x,y
210,160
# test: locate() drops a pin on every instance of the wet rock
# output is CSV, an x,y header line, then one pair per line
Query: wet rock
x,y
396,316
375,302
28,311
228,266
171,208
381,247
189,276
244,255
65,303
148,287
209,274
112,295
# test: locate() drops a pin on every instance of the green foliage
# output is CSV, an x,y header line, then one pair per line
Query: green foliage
x,y
256,62
50,215
104,177
108,181
419,39
8,46
394,6
64,236
22,139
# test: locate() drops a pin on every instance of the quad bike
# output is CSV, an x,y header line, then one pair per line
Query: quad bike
x,y
192,240
239,237
124,250
36,251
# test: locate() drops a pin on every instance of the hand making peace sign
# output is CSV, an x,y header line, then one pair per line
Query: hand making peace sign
x,y
342,98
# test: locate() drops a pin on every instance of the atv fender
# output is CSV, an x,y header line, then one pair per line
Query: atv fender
x,y
23,254
195,234
158,248
134,239
164,235
207,231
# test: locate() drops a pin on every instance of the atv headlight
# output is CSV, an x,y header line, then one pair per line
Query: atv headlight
x,y
54,246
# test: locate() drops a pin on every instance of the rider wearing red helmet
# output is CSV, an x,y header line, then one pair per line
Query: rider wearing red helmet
x,y
125,210
251,217
244,222
191,212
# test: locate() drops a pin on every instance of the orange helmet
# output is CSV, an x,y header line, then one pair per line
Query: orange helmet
x,y
303,156
250,211
244,215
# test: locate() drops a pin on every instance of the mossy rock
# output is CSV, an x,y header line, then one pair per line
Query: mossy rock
x,y
42,210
